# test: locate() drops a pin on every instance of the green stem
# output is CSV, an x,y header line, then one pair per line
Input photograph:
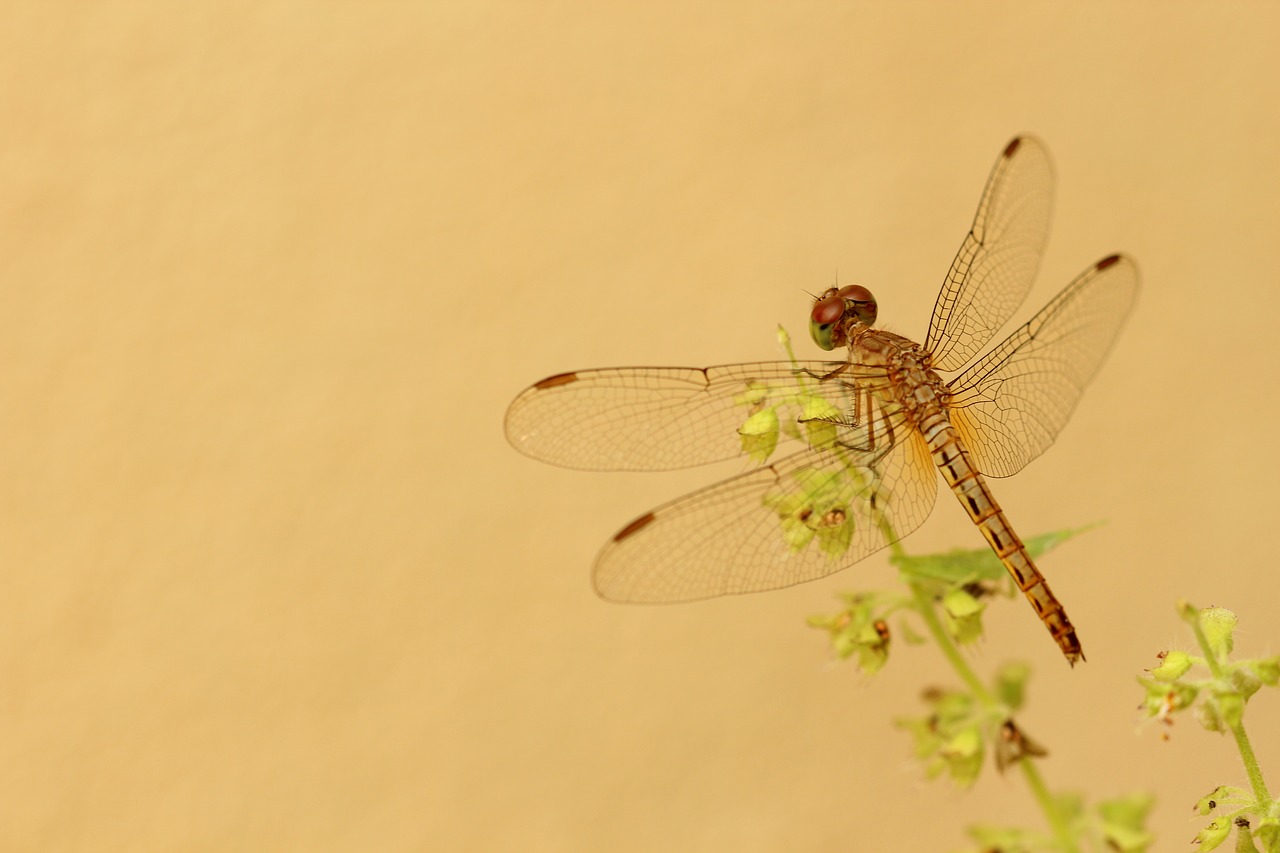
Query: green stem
x,y
1210,658
1251,767
1051,812
924,605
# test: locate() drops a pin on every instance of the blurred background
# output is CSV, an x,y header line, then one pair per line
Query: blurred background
x,y
270,274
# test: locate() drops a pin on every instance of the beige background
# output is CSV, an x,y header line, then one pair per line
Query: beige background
x,y
270,273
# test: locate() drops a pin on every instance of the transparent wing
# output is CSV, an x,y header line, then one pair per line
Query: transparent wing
x,y
1010,405
662,418
797,519
997,262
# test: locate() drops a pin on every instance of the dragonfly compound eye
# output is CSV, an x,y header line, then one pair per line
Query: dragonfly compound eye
x,y
828,309
861,302
825,318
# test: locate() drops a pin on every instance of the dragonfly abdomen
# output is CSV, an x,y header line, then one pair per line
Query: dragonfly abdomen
x,y
971,490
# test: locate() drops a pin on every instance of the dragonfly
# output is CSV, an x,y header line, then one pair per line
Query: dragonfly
x,y
843,456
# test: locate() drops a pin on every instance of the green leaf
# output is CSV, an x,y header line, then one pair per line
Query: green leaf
x,y
820,420
964,615
1129,811
1127,840
924,735
821,621
1208,716
1011,684
1124,822
951,706
1267,670
859,629
1173,667
873,647
759,434
1244,840
1002,838
796,533
1268,833
1163,699
1219,624
835,531
1245,681
948,739
815,502
962,566
1070,805
963,754
959,604
845,643
1046,542
954,567
1214,833
1231,707
1211,800
757,392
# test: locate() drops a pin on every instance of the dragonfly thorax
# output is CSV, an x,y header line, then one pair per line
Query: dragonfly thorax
x,y
835,313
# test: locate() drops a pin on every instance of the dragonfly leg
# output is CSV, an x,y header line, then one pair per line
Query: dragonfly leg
x,y
840,367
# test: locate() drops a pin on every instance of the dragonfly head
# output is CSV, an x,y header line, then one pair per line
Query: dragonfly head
x,y
838,309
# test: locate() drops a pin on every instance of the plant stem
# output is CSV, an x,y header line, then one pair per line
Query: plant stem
x,y
1251,767
1250,760
1048,806
924,605
1209,656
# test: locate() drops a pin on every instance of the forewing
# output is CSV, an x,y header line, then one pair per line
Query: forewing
x,y
798,519
662,418
997,262
1010,405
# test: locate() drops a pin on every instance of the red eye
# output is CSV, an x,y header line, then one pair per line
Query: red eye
x,y
828,310
856,292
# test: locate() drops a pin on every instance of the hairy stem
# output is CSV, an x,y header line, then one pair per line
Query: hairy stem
x,y
1051,812
1250,763
1251,767
926,607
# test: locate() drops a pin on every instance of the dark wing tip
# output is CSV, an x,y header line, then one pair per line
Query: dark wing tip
x,y
555,381
1012,147
634,527
1108,261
